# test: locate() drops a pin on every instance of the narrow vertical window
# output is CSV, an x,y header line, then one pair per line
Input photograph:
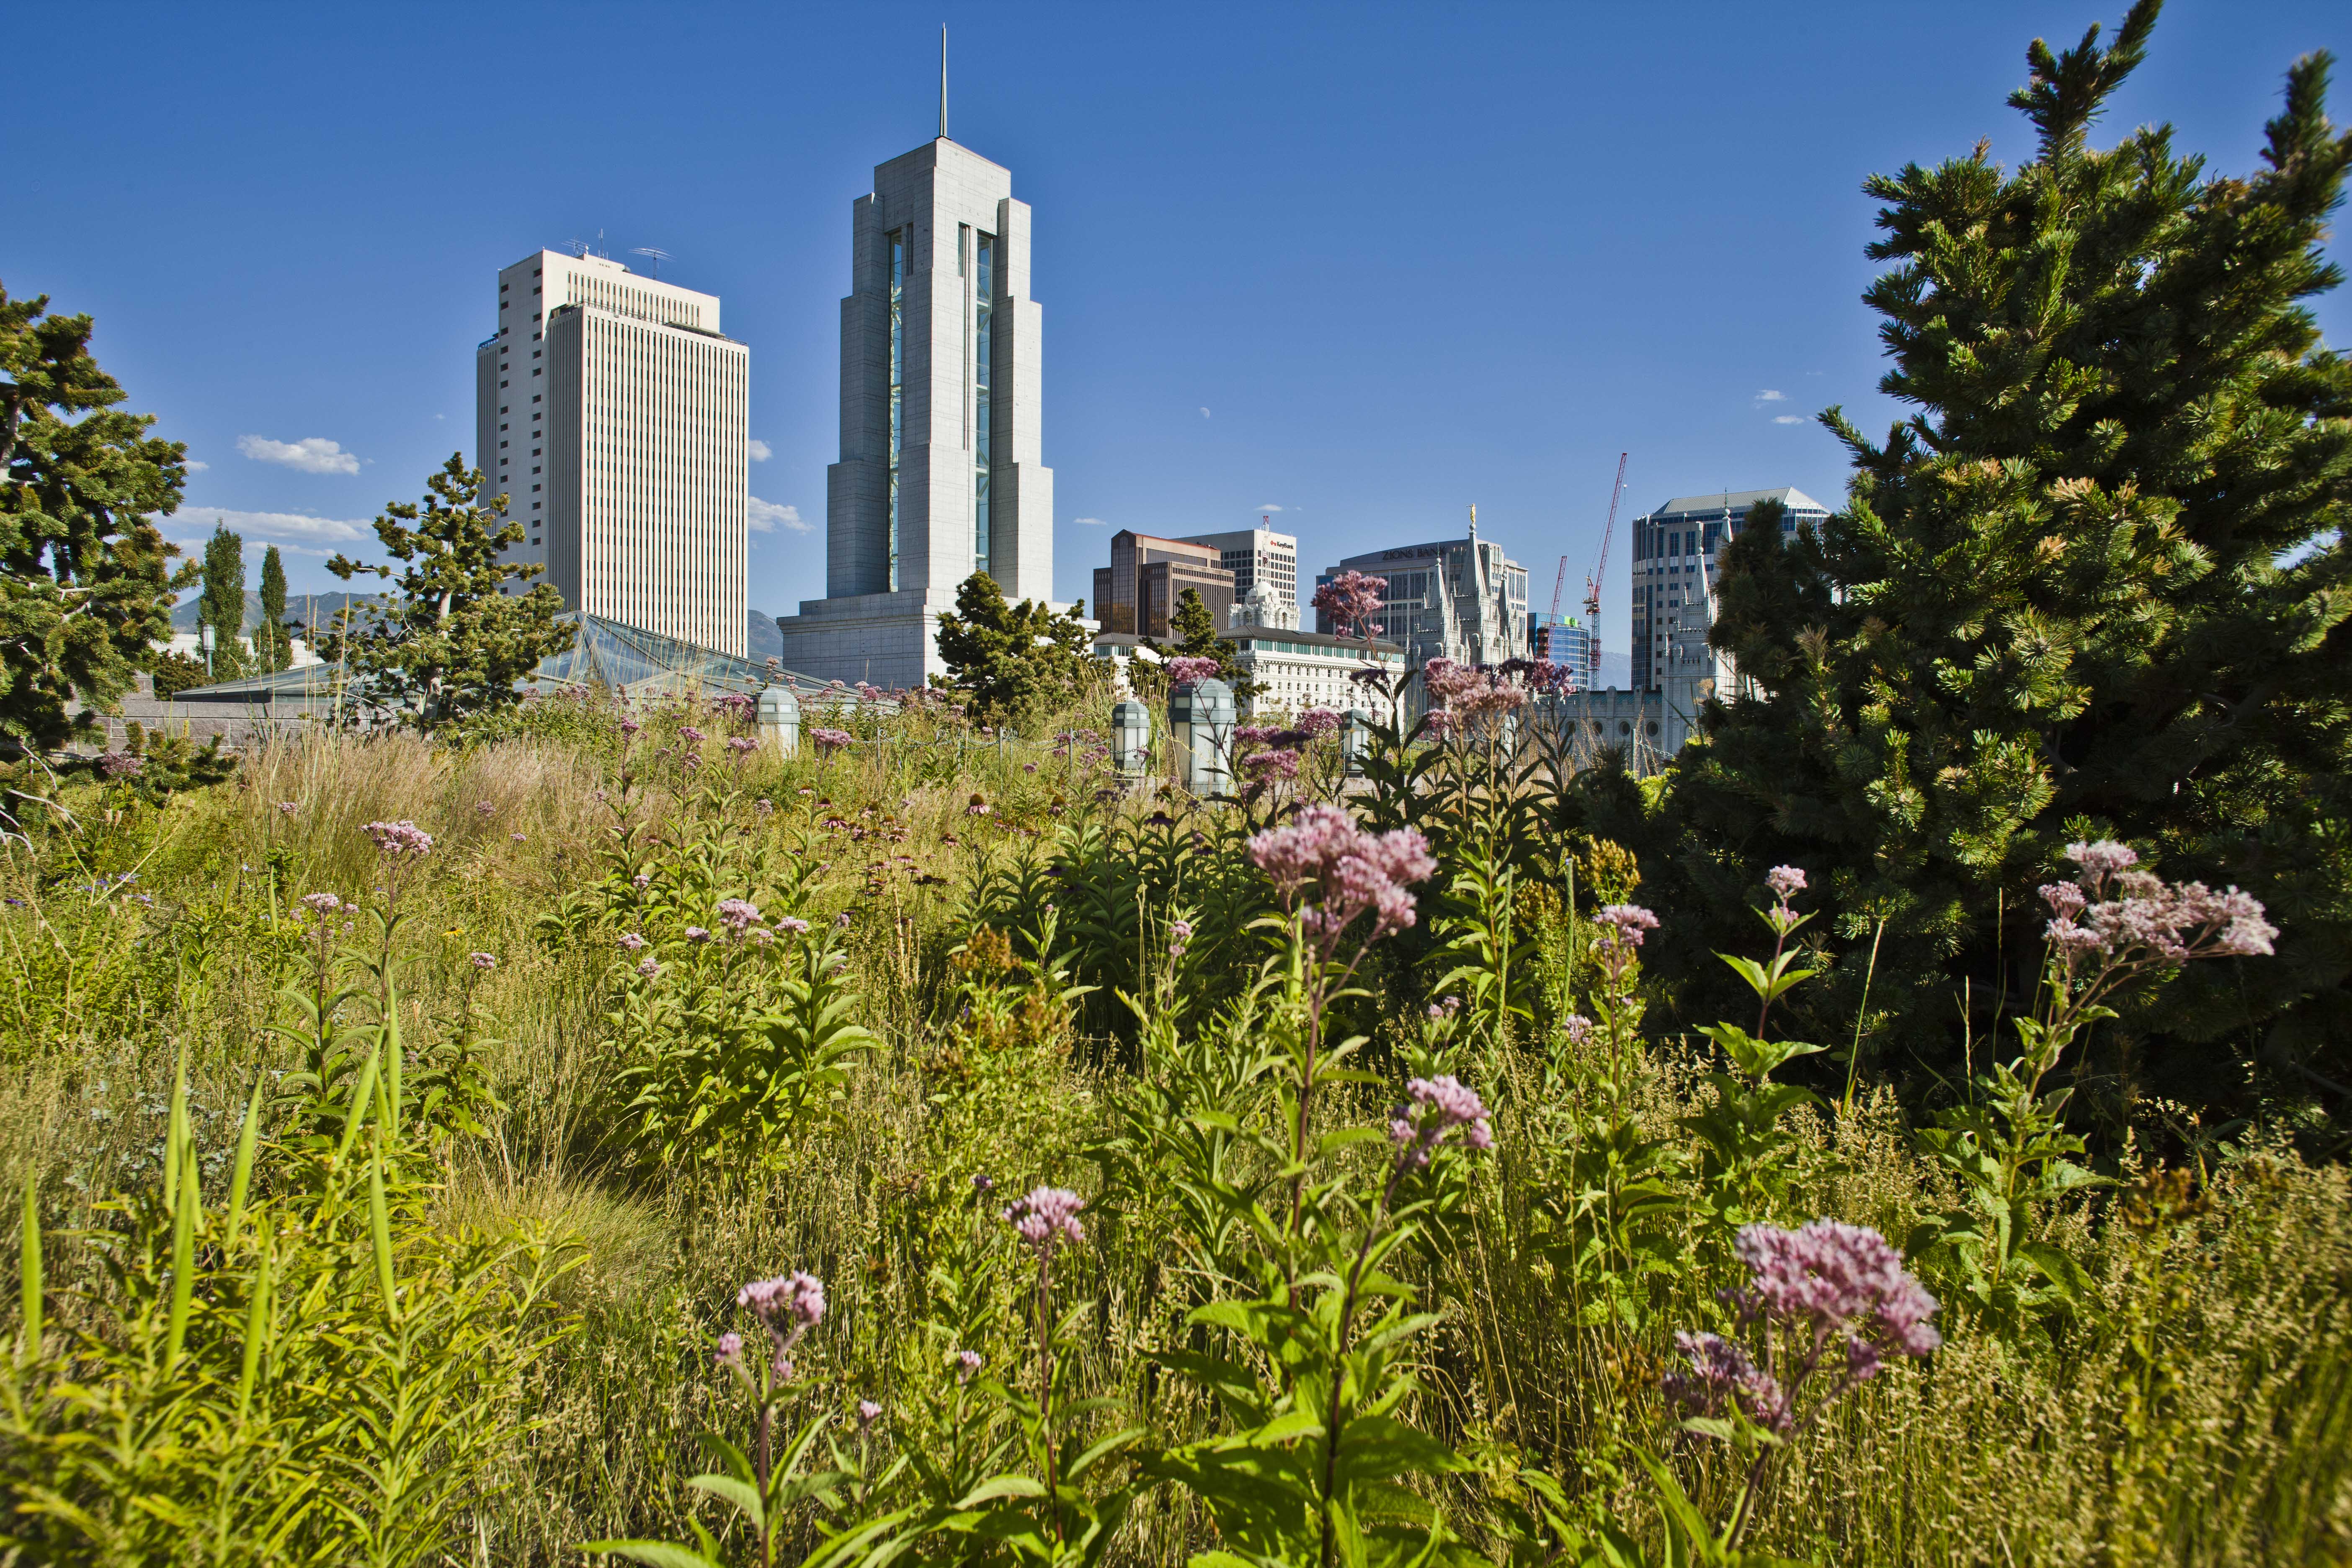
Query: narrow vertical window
x,y
984,297
897,383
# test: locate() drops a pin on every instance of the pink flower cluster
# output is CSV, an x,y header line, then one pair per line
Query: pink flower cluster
x,y
1785,882
1625,924
828,741
738,914
1467,693
120,764
1826,1289
1832,1281
402,837
1721,1373
2129,917
1434,1108
1319,722
1187,671
788,1307
1267,767
1349,870
1349,601
1047,1217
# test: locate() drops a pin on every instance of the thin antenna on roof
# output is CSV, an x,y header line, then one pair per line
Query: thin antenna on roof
x,y
599,246
943,82
579,245
654,258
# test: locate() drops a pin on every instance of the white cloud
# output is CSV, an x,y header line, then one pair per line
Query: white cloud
x,y
1771,397
1204,414
1788,419
760,451
1089,522
312,454
296,531
1265,506
196,465
766,517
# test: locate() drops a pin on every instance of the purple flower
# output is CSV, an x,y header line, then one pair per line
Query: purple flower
x,y
641,881
1434,1108
1319,722
1179,936
1187,671
737,915
288,808
868,1413
690,734
630,941
1047,1217
730,1350
2105,858
321,904
1830,1280
828,741
765,807
1720,1373
1627,922
629,728
1352,870
485,961
966,1364
1579,1028
741,746
519,837
121,764
484,809
402,837
1785,882
697,933
1268,766
650,967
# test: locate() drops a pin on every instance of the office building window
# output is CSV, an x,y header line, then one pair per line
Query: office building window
x,y
897,286
984,291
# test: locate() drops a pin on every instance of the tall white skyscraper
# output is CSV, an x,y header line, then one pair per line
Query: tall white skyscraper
x,y
614,418
1257,557
940,473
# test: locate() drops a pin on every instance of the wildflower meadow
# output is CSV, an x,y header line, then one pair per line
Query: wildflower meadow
x,y
595,1141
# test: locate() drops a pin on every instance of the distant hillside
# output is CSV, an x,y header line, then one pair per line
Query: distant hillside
x,y
767,642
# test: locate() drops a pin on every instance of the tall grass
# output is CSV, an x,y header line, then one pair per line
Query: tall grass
x,y
2198,1409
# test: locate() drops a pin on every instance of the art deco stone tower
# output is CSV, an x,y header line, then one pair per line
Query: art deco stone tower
x,y
941,474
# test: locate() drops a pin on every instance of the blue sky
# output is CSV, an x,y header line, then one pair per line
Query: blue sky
x,y
1365,264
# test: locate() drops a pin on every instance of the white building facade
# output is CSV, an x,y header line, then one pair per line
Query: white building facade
x,y
1294,670
941,473
614,418
1257,556
1674,552
1461,599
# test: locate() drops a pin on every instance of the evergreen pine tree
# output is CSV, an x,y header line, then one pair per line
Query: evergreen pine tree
x,y
452,641
86,583
1010,657
271,640
222,605
2095,586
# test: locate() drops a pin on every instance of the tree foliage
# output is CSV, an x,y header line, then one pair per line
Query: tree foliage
x,y
1010,657
2096,586
1194,630
85,580
451,641
273,645
222,605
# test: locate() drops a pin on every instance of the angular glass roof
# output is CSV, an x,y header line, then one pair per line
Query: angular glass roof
x,y
605,653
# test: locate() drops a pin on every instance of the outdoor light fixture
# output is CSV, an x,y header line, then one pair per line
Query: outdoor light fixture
x,y
779,720
1200,717
1131,735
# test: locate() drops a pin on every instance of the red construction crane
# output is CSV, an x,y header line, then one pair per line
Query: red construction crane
x,y
1600,572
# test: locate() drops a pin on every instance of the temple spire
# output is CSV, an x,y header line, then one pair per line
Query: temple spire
x,y
943,82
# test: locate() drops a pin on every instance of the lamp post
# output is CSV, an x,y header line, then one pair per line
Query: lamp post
x,y
779,720
1201,716
204,636
1131,735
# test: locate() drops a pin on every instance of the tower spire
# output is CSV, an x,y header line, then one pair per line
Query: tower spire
x,y
943,82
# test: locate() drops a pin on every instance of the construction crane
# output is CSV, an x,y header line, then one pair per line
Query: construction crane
x,y
1600,572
